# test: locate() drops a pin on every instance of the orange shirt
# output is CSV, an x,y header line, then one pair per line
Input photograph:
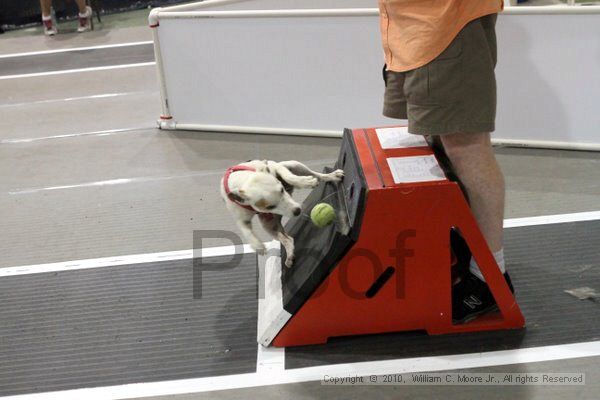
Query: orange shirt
x,y
414,32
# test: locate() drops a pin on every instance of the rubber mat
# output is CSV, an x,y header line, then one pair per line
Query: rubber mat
x,y
116,325
543,262
141,323
76,59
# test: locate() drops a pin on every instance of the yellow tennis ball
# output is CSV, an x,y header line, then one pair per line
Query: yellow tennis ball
x,y
322,215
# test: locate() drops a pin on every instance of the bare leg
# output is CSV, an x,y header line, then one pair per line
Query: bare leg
x,y
475,165
81,5
46,7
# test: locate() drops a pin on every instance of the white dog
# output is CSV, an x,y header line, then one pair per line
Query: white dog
x,y
264,188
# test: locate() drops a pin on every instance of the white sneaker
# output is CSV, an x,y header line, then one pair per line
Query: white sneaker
x,y
49,26
85,20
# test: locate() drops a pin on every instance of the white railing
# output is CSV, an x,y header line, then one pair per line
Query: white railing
x,y
220,70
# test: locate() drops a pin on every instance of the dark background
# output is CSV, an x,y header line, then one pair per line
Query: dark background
x,y
17,13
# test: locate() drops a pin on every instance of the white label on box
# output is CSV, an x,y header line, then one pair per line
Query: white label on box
x,y
399,138
415,169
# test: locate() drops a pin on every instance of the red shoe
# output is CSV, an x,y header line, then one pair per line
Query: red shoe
x,y
85,20
49,26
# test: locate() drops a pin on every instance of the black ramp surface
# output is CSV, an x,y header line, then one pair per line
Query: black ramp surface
x,y
126,324
77,59
543,261
318,250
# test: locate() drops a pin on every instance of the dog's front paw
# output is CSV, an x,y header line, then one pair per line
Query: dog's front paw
x,y
336,176
289,261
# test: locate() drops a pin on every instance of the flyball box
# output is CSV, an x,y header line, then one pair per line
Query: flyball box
x,y
385,265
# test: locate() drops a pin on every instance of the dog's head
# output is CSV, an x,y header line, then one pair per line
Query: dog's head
x,y
266,194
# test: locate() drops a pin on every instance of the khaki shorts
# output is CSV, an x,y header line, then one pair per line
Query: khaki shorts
x,y
454,93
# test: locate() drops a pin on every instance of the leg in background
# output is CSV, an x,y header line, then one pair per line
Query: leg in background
x,y
81,6
47,19
46,7
85,16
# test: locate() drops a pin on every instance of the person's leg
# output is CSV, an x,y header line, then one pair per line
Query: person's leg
x,y
82,6
453,99
475,165
46,7
47,20
85,16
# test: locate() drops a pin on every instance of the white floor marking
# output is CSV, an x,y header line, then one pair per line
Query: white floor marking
x,y
269,377
130,260
71,135
112,182
231,250
270,359
70,71
54,51
552,219
92,97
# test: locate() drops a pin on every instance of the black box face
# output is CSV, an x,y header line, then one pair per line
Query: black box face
x,y
354,185
318,250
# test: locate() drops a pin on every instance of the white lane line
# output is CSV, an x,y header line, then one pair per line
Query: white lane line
x,y
70,71
104,46
552,219
231,250
92,97
70,135
268,378
120,181
270,359
114,182
133,260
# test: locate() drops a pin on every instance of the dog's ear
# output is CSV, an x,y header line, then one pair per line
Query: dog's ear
x,y
238,196
262,203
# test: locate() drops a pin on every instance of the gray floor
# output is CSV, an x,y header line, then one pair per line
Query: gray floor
x,y
314,390
173,320
70,190
120,325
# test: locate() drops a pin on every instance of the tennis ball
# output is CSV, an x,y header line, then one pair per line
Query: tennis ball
x,y
322,215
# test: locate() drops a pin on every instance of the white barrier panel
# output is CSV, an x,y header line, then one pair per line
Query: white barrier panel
x,y
548,78
284,66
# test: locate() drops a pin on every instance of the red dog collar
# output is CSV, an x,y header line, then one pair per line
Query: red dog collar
x,y
230,196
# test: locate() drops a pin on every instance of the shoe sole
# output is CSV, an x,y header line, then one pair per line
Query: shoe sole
x,y
471,317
